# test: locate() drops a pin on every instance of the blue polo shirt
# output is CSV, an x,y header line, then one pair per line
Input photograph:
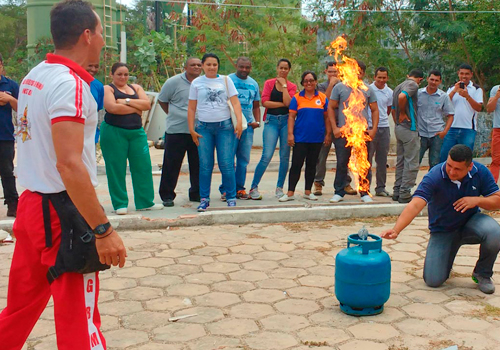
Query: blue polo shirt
x,y
6,127
440,193
97,90
310,122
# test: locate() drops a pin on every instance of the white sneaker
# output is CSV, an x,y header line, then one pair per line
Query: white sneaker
x,y
336,198
121,211
285,198
153,207
311,197
366,199
8,239
279,192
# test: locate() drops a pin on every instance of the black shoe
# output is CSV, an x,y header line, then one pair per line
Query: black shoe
x,y
403,200
12,209
395,197
168,203
195,199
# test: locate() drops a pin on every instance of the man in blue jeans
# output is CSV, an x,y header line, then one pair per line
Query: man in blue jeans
x,y
467,99
249,96
454,191
434,106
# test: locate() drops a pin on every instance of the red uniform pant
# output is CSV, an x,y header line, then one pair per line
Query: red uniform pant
x,y
495,153
75,295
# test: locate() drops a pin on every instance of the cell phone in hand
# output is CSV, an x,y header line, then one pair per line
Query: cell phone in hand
x,y
462,85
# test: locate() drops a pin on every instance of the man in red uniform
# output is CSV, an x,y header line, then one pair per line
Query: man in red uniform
x,y
57,119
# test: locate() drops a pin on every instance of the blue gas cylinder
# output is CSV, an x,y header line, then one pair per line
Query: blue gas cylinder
x,y
362,276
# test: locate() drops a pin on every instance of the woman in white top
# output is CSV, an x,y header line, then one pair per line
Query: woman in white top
x,y
214,129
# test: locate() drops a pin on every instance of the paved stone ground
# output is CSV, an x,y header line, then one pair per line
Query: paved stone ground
x,y
272,287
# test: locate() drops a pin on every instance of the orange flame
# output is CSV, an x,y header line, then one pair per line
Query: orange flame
x,y
356,125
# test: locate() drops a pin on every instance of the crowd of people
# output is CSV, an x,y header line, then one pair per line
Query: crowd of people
x,y
63,235
308,120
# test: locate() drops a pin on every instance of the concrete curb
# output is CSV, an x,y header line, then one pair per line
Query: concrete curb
x,y
274,166
323,212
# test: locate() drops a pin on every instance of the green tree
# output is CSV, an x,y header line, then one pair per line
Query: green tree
x,y
13,37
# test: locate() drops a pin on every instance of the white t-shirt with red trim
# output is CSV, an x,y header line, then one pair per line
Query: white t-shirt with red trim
x,y
56,90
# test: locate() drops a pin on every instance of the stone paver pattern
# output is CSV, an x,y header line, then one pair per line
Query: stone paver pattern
x,y
263,286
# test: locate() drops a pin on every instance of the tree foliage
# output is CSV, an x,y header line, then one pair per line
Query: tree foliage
x,y
263,34
396,35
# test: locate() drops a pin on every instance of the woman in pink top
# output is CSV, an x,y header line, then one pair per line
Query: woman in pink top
x,y
276,97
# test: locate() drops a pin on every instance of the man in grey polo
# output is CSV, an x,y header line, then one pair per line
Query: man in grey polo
x,y
433,106
338,99
174,99
404,113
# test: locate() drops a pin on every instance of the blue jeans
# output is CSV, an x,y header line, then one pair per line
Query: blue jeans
x,y
433,144
443,247
242,149
456,136
220,137
276,126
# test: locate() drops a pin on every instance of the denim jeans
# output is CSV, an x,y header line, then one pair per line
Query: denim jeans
x,y
443,247
433,144
380,148
242,149
275,127
220,137
343,154
456,136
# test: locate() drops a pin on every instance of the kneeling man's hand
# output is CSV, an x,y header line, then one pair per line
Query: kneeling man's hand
x,y
389,234
466,203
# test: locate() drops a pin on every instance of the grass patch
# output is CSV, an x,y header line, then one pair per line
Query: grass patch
x,y
315,343
487,311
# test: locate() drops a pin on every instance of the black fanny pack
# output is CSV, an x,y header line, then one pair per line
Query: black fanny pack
x,y
77,252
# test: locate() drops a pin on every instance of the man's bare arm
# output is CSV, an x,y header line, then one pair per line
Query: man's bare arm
x,y
409,213
68,144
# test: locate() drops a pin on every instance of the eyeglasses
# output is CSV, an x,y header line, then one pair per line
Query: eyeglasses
x,y
309,81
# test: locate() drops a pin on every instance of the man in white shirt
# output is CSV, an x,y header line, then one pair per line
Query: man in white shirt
x,y
59,218
380,144
467,99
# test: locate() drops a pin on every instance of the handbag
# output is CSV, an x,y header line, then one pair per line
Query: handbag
x,y
77,251
244,123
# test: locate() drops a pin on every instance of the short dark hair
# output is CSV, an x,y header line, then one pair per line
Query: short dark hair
x,y
361,65
117,65
306,73
435,72
465,66
285,60
210,55
461,153
189,59
416,73
381,69
244,59
330,64
69,19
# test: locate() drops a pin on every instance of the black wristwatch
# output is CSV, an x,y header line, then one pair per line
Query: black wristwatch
x,y
101,229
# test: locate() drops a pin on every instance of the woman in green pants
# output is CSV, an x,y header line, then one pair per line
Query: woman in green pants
x,y
123,138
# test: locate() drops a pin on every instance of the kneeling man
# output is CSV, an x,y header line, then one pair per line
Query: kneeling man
x,y
454,191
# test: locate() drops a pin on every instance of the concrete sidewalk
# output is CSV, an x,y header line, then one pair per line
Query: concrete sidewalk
x,y
267,210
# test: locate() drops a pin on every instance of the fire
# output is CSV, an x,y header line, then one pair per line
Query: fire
x,y
356,125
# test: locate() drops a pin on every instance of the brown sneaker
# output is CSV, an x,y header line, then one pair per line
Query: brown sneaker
x,y
318,189
349,190
241,194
